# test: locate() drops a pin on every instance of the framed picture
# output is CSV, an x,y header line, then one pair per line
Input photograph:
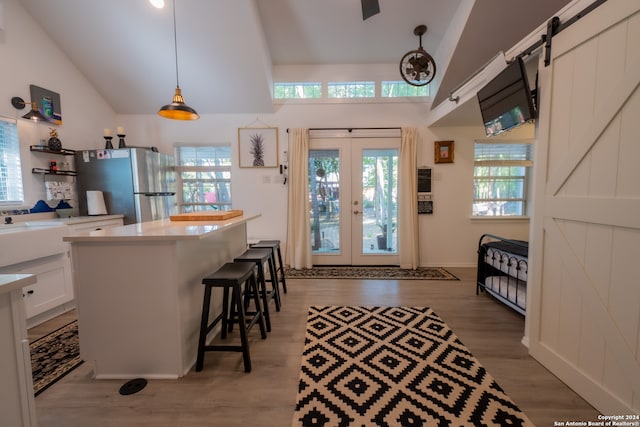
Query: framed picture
x,y
443,152
48,103
258,147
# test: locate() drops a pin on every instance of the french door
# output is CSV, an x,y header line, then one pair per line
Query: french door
x,y
353,191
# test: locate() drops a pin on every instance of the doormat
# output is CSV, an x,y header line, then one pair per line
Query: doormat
x,y
378,273
394,366
54,356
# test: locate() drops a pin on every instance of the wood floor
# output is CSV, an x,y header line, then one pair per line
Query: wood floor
x,y
223,395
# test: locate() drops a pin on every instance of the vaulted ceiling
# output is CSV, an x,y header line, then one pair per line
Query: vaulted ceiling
x,y
227,48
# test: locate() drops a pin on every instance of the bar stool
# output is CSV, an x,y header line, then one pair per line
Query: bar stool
x,y
231,276
275,247
260,257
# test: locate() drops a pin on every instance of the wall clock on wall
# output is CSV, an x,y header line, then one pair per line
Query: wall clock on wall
x,y
417,67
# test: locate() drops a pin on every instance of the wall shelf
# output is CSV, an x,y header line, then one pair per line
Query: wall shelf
x,y
49,172
44,149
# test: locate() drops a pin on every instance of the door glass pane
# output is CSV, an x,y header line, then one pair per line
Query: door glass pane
x,y
324,194
379,201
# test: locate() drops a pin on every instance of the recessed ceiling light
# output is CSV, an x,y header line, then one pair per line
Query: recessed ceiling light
x,y
157,3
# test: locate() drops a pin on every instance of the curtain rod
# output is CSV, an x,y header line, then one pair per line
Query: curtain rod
x,y
352,129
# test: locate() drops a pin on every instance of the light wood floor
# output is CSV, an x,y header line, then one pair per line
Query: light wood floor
x,y
223,395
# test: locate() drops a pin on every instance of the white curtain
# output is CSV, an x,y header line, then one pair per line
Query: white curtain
x,y
408,238
298,253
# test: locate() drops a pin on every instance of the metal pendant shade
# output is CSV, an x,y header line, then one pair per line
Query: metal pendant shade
x,y
177,110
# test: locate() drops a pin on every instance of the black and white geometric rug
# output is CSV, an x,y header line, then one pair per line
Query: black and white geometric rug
x,y
394,366
370,272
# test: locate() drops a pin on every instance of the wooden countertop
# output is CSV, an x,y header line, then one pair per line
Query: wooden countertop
x,y
163,229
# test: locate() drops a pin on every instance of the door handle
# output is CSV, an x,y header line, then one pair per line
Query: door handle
x,y
356,212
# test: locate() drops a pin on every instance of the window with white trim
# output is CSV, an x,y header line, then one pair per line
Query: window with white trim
x,y
204,177
400,88
298,90
501,178
11,189
351,89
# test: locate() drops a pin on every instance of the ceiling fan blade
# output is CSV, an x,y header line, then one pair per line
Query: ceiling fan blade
x,y
369,8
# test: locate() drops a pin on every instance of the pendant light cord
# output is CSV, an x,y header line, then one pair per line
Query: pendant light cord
x,y
175,42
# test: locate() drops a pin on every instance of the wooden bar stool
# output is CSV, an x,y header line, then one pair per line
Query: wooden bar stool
x,y
275,247
231,277
259,257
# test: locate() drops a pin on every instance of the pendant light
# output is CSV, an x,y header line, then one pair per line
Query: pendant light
x,y
177,110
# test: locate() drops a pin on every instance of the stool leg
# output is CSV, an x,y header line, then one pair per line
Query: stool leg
x,y
253,285
265,302
227,318
274,279
237,293
203,328
284,283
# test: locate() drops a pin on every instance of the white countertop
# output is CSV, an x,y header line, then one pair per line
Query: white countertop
x,y
9,282
163,229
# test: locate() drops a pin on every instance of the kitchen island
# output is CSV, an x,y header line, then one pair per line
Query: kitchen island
x,y
139,292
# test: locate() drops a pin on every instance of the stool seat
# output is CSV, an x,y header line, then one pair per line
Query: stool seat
x,y
229,274
230,277
275,247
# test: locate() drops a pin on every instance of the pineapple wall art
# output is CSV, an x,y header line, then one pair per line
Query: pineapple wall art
x,y
258,147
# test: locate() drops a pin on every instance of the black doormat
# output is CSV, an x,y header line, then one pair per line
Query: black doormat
x,y
394,366
370,272
54,356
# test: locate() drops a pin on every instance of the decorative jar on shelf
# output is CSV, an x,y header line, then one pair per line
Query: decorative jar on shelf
x,y
54,143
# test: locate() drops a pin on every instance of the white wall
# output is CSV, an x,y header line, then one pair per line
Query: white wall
x,y
30,57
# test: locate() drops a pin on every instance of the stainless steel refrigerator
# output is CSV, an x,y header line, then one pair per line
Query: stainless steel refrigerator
x,y
138,183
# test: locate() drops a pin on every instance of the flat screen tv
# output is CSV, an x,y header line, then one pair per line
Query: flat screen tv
x,y
506,101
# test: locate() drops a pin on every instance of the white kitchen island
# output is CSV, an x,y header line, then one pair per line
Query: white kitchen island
x,y
139,292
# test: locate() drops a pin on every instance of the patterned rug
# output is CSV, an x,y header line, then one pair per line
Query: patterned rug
x,y
390,273
54,356
394,366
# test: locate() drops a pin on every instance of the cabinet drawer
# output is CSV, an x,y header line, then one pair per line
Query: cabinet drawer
x,y
93,225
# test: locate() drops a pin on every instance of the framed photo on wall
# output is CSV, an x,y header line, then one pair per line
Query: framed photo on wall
x,y
443,152
258,147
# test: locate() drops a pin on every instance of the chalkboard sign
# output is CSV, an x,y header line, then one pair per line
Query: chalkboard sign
x,y
424,180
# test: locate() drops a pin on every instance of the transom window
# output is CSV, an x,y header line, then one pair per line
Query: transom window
x,y
11,189
397,89
351,89
501,178
297,90
204,177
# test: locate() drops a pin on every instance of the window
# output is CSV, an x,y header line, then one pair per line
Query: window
x,y
204,177
396,89
11,192
501,176
297,90
351,90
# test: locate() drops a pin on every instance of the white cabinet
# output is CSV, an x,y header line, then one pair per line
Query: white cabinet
x,y
17,404
53,294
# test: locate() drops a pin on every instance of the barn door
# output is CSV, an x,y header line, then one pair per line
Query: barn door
x,y
584,317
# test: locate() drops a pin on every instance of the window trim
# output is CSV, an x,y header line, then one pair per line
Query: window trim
x,y
179,169
526,178
15,172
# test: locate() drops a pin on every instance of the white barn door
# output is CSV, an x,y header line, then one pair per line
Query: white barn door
x,y
584,300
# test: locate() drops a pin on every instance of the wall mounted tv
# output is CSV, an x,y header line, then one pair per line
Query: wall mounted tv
x,y
506,101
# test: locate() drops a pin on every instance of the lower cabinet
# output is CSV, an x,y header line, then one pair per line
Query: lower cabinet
x,y
53,294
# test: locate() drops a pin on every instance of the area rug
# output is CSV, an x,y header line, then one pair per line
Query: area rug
x,y
54,356
390,273
394,366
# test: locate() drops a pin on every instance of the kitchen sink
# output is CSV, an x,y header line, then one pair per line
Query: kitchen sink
x,y
26,241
